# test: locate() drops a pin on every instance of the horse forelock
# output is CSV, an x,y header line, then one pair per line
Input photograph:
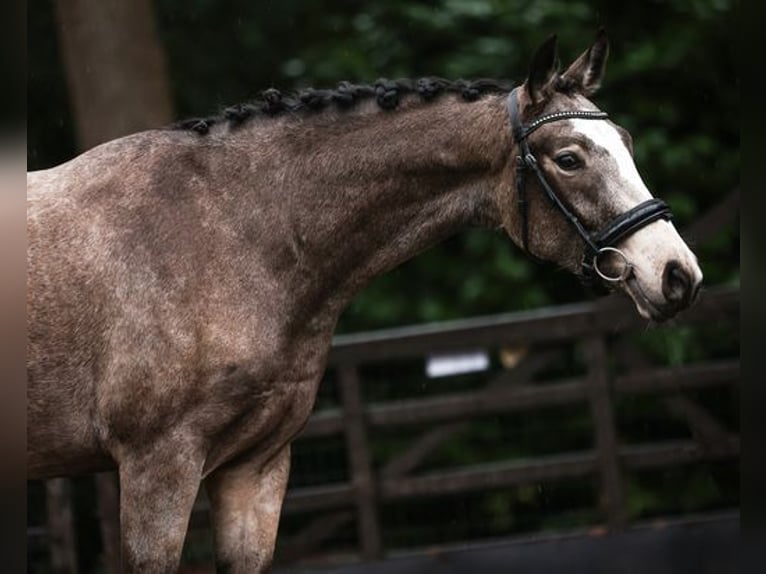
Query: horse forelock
x,y
388,94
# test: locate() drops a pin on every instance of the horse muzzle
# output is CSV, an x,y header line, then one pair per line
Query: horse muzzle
x,y
661,287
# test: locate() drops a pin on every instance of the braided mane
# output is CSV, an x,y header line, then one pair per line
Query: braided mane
x,y
387,94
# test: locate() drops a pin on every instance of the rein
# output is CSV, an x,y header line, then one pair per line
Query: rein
x,y
599,243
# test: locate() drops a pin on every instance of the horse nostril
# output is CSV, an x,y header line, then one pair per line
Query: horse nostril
x,y
695,291
676,283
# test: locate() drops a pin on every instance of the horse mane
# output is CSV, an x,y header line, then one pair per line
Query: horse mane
x,y
387,94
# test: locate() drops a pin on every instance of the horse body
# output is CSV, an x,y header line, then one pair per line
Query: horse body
x,y
183,292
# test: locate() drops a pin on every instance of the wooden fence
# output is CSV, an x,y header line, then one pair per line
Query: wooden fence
x,y
592,326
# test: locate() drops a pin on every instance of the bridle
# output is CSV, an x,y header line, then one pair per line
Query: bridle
x,y
598,244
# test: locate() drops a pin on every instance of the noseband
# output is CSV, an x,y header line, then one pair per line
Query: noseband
x,y
597,244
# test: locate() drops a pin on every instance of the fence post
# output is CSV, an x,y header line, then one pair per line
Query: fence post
x,y
612,495
61,531
108,501
361,465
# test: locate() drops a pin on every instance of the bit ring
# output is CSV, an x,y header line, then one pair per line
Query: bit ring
x,y
627,267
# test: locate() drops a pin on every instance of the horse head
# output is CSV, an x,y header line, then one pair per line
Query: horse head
x,y
580,201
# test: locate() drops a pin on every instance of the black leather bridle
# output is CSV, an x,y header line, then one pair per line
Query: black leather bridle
x,y
596,243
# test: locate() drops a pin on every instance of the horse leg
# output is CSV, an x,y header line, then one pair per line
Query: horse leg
x,y
157,492
245,502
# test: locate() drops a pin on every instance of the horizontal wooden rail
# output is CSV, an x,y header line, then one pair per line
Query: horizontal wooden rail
x,y
504,474
673,379
669,453
307,499
609,315
323,423
473,404
673,453
494,475
485,402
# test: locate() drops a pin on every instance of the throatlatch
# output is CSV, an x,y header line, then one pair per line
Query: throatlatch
x,y
598,244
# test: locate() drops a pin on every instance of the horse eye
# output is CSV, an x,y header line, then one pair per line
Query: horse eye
x,y
568,161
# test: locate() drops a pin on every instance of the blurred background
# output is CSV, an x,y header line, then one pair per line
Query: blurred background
x,y
98,69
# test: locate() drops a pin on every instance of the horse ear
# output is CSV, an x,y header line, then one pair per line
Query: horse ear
x,y
587,71
543,68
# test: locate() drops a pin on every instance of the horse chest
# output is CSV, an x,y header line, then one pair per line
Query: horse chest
x,y
264,422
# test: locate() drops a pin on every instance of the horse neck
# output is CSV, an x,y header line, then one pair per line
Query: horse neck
x,y
353,194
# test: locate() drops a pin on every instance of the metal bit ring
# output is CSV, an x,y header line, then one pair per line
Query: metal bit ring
x,y
627,267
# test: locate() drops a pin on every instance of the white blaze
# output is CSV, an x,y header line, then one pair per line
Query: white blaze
x,y
607,137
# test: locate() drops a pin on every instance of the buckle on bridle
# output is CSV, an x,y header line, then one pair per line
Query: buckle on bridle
x,y
626,267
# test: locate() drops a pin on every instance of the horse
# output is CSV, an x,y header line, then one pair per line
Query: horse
x,y
184,282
